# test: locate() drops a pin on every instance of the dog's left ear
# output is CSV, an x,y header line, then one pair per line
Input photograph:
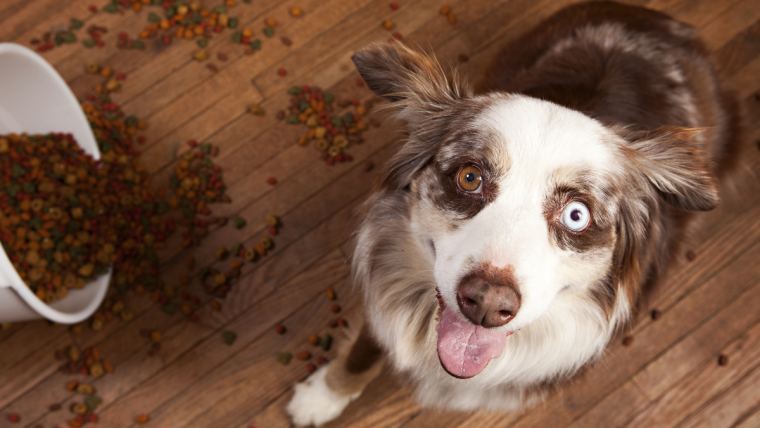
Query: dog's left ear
x,y
413,81
673,161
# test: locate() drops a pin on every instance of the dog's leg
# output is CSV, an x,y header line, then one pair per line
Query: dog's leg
x,y
323,396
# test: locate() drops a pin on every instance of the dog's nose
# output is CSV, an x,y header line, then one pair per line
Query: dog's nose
x,y
489,297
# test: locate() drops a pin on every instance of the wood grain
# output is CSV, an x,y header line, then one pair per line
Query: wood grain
x,y
667,377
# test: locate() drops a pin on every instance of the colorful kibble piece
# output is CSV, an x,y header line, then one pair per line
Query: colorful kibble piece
x,y
303,355
295,11
239,223
280,329
326,342
284,358
142,419
229,337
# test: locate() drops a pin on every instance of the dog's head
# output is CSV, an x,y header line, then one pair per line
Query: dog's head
x,y
523,202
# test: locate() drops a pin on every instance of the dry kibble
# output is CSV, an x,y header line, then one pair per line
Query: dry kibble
x,y
303,355
314,340
330,292
142,419
229,337
280,329
326,342
284,358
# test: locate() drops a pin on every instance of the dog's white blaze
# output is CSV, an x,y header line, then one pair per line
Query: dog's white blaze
x,y
540,139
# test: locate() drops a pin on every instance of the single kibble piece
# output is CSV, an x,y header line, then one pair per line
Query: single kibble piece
x,y
722,360
303,355
142,419
326,342
314,340
284,358
229,337
280,329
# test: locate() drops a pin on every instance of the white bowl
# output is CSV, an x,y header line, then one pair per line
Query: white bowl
x,y
35,99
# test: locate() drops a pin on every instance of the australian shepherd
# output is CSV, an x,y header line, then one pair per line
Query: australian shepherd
x,y
519,225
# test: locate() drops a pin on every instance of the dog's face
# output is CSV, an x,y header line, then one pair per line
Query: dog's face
x,y
521,202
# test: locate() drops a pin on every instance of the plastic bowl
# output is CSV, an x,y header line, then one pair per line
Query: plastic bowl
x,y
35,99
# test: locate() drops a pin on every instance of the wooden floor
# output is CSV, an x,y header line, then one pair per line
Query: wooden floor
x,y
667,376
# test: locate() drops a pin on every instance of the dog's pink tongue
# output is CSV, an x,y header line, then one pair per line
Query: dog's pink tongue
x,y
465,349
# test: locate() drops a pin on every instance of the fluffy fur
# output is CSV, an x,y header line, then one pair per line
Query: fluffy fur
x,y
612,106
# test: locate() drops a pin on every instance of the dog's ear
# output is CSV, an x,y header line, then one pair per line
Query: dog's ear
x,y
673,161
420,93
411,80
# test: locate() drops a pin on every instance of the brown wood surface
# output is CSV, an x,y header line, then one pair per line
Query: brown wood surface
x,y
668,375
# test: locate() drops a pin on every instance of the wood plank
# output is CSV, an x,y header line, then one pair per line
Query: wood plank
x,y
732,408
704,382
153,392
723,27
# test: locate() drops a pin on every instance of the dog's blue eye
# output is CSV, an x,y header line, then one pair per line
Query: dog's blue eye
x,y
576,216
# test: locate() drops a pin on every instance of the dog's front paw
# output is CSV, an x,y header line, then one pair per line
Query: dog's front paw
x,y
314,403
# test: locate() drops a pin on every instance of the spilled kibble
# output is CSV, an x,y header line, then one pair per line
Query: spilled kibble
x,y
332,127
326,342
229,337
722,360
284,358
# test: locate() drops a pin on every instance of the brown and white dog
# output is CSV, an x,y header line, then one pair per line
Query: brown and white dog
x,y
517,228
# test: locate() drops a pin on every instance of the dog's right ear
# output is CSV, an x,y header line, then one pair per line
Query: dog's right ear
x,y
414,82
419,92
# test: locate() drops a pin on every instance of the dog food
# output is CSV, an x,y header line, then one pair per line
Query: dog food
x,y
53,207
330,129
229,337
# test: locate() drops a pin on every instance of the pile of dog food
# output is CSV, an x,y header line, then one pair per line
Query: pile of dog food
x,y
52,207
332,127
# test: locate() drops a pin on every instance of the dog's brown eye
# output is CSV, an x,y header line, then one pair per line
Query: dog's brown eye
x,y
470,179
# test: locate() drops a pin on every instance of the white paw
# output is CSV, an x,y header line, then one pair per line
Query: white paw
x,y
314,403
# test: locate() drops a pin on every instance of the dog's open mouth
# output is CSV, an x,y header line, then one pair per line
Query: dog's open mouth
x,y
465,349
